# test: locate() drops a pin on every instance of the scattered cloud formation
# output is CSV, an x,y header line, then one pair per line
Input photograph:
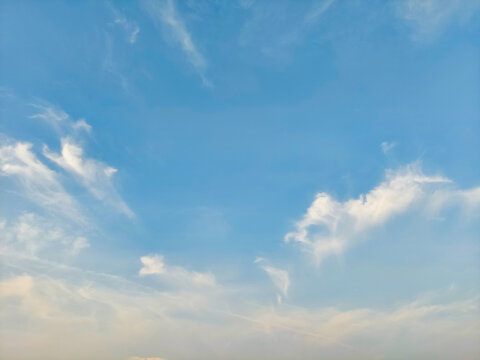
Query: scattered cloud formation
x,y
329,226
155,265
428,18
94,175
137,317
165,14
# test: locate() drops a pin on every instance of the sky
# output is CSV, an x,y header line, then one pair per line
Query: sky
x,y
239,179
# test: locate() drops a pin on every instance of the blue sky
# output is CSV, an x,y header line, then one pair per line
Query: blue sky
x,y
240,179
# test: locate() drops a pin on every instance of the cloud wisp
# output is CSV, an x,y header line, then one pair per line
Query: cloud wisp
x,y
167,16
37,182
94,175
279,277
177,275
59,119
276,28
428,19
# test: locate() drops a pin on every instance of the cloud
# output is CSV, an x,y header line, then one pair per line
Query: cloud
x,y
33,234
152,265
81,125
318,10
274,29
353,328
155,265
166,14
145,358
94,175
131,29
59,119
329,226
279,277
429,18
102,314
39,183
387,146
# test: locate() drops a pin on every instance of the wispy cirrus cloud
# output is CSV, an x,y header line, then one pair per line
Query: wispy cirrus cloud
x,y
59,119
428,18
155,265
329,226
279,277
276,28
131,29
36,235
129,26
165,14
37,182
93,174
143,319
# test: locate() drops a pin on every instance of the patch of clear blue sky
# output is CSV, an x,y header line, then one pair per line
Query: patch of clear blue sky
x,y
217,175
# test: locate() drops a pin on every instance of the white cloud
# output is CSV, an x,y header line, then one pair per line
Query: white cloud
x,y
166,13
351,329
32,234
279,277
102,311
131,29
59,119
82,124
428,18
387,146
16,286
152,265
40,184
155,265
94,175
330,226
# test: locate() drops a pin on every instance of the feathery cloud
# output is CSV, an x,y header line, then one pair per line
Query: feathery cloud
x,y
279,277
94,175
59,119
165,13
428,18
155,265
31,234
39,183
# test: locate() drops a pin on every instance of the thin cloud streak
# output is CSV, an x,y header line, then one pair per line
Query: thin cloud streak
x,y
93,174
165,13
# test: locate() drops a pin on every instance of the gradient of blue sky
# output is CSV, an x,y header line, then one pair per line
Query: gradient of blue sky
x,y
240,179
